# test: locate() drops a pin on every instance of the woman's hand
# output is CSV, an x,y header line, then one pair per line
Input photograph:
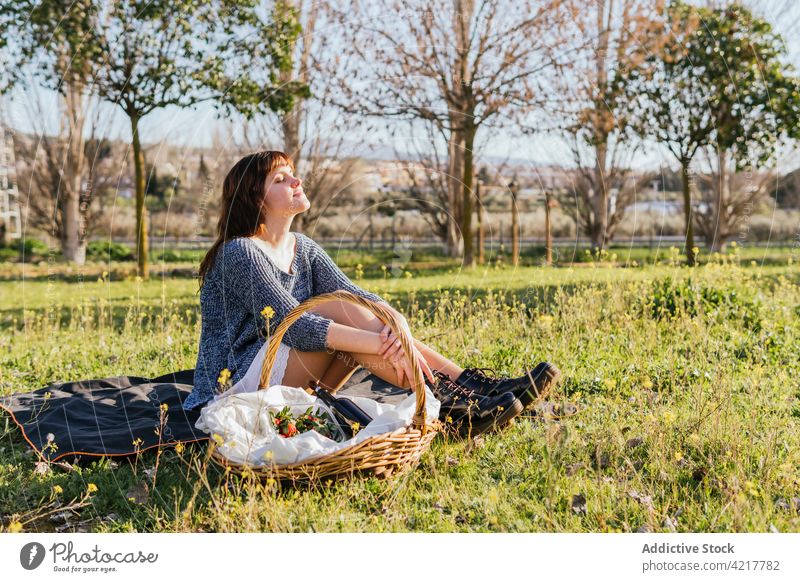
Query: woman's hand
x,y
392,351
426,370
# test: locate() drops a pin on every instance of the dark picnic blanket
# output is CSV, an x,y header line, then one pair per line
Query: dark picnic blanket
x,y
107,416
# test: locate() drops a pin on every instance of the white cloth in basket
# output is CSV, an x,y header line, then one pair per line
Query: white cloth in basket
x,y
248,436
249,382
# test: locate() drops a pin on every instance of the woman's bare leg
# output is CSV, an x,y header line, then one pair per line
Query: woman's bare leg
x,y
342,367
302,367
354,315
333,368
438,361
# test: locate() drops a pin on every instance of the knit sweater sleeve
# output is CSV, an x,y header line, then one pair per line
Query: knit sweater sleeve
x,y
249,279
329,277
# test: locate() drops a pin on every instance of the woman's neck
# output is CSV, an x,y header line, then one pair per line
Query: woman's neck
x,y
277,235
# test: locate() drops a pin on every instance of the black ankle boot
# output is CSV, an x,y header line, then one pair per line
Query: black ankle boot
x,y
469,413
526,388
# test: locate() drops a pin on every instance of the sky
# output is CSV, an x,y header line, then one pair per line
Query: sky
x,y
197,126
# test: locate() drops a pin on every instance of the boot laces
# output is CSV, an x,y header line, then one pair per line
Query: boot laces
x,y
449,386
487,377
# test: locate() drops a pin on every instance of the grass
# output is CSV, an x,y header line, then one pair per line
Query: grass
x,y
689,407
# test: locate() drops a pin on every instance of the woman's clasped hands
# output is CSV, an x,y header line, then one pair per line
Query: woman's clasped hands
x,y
392,351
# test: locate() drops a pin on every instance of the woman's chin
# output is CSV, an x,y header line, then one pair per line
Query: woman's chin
x,y
300,205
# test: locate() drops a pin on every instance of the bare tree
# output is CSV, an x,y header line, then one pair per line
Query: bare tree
x,y
728,197
316,135
615,37
429,191
599,192
457,64
65,187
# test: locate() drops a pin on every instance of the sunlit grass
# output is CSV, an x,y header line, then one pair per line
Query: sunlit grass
x,y
686,382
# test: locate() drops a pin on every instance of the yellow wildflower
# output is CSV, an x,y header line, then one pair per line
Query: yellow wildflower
x,y
91,488
218,439
14,527
678,455
57,489
267,312
751,489
179,448
224,376
164,406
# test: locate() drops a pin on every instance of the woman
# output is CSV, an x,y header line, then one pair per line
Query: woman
x,y
257,268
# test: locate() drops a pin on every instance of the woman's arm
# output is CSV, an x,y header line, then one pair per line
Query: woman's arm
x,y
327,276
351,339
248,279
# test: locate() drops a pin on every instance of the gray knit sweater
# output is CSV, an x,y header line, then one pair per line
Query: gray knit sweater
x,y
241,282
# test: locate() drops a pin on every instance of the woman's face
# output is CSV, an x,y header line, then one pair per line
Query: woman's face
x,y
284,193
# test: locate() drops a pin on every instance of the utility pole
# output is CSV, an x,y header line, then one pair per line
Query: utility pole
x,y
481,233
549,204
514,188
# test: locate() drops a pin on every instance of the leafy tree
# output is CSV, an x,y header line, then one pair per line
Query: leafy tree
x,y
180,53
145,55
719,82
755,102
50,35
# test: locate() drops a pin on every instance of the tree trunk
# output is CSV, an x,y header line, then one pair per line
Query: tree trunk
x,y
481,233
600,232
600,199
141,210
454,194
466,214
74,243
687,209
290,125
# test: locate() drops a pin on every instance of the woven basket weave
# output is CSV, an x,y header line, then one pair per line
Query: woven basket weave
x,y
381,455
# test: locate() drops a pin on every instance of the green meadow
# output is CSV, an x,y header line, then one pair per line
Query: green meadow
x,y
685,382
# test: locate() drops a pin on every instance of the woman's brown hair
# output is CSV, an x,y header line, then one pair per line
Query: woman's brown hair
x,y
242,211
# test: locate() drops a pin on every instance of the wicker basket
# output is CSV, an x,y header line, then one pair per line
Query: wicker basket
x,y
381,455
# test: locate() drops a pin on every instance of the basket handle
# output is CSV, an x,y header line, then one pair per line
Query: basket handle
x,y
418,421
